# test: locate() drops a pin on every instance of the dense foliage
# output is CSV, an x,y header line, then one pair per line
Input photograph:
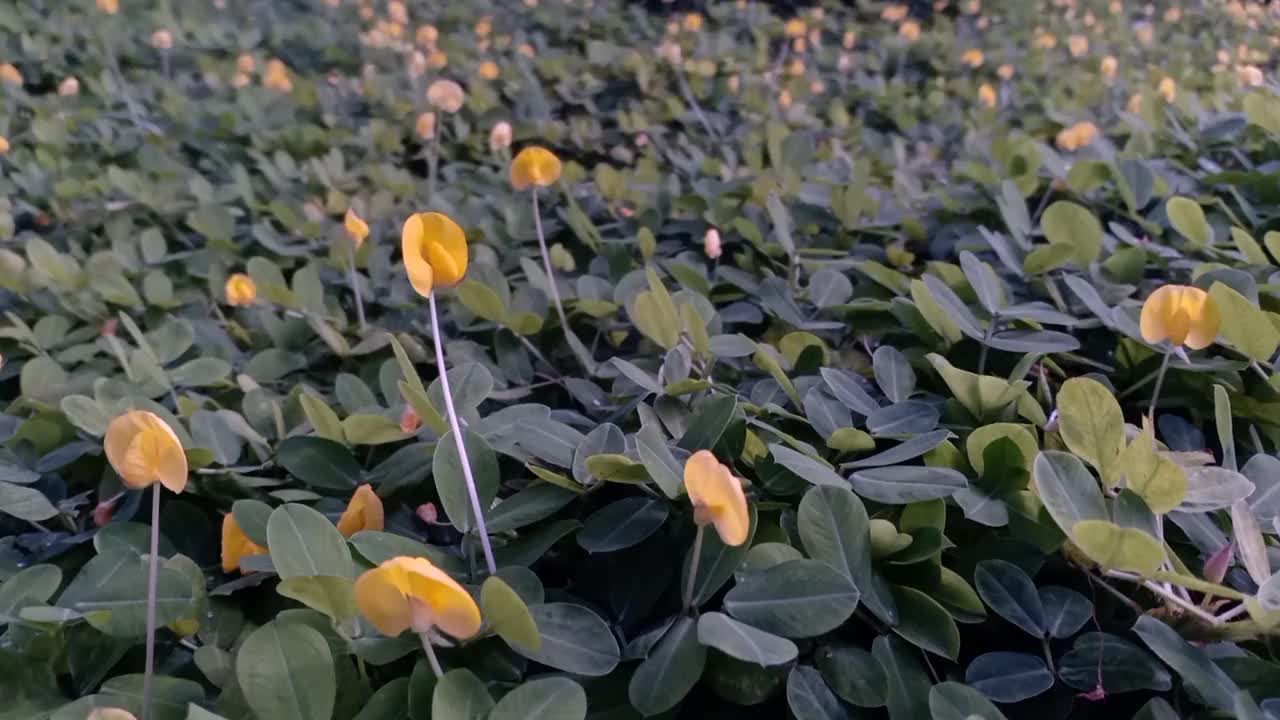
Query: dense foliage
x,y
831,392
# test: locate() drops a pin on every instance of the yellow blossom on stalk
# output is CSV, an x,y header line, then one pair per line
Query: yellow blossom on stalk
x,y
1116,7
246,64
144,450
9,75
500,136
398,13
1167,89
534,166
910,31
972,57
1173,14
438,59
489,70
1078,45
849,39
427,35
987,95
799,45
717,498
162,40
1135,103
484,26
894,13
526,50
1045,40
784,99
1249,75
357,229
1108,68
241,290
795,68
446,95
69,87
275,76
364,512
1181,314
1005,71
435,251
1077,136
845,62
425,125
236,545
795,28
4,145
410,593
110,7
692,22
817,87
733,83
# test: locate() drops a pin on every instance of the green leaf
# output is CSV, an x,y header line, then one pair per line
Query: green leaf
x,y
1244,324
743,641
709,422
853,674
460,695
1008,677
1159,481
1124,667
797,598
25,503
924,623
805,467
1117,548
319,463
809,697
573,639
934,314
1193,665
1006,589
984,395
1075,226
622,524
451,483
834,528
328,594
366,429
482,300
552,698
1187,217
34,585
670,671
716,562
286,672
908,684
303,542
111,592
170,696
1092,425
1068,491
508,615
954,701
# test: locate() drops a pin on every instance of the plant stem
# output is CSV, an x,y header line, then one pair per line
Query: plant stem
x,y
986,338
1048,654
433,161
693,567
1155,395
1158,589
457,437
546,262
153,574
355,285
431,655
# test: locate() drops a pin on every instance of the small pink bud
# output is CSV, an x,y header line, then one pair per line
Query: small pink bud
x,y
1215,568
711,244
409,420
428,514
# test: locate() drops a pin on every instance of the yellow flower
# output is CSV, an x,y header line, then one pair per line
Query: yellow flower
x,y
1181,314
910,30
795,68
1249,75
526,50
717,497
500,136
110,7
437,59
241,290
9,75
162,40
236,545
275,76
799,45
1046,41
405,592
1135,103
240,80
144,450
1167,89
427,35
693,22
435,251
446,95
1078,45
489,70
246,64
69,87
425,125
894,13
1173,14
972,57
784,99
357,229
1108,67
484,26
4,145
848,40
110,714
398,13
1005,71
364,512
534,166
987,95
795,28
1077,136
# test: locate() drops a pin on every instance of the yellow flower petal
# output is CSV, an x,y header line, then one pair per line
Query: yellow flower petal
x,y
534,166
714,490
241,290
387,595
435,251
236,545
364,512
144,450
1181,314
357,229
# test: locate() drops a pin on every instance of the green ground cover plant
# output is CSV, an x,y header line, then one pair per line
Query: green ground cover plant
x,y
557,359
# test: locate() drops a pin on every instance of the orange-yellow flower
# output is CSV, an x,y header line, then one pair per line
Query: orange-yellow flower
x,y
435,251
246,64
110,7
1167,89
1077,45
1045,41
410,593
357,229
693,22
1108,68
1076,136
69,87
910,30
241,290
427,35
275,76
717,497
972,57
795,28
489,70
236,545
1181,314
364,512
1134,105
446,95
438,59
534,166
425,125
10,75
4,145
987,95
1005,71
894,13
144,450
